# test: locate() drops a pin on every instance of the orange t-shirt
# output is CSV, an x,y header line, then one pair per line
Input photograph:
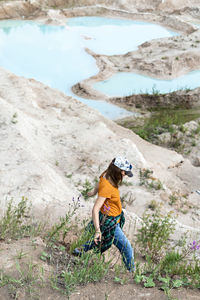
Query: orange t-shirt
x,y
112,205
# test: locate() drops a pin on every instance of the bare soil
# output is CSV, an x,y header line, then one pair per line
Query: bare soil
x,y
17,256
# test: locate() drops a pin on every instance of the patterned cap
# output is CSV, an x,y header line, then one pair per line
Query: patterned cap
x,y
123,164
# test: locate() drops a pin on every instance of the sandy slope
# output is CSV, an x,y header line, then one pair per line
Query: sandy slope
x,y
47,137
51,143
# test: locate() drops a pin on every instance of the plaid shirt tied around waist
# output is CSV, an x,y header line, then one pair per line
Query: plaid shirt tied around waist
x,y
107,227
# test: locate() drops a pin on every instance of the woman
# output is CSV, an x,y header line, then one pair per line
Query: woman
x,y
107,215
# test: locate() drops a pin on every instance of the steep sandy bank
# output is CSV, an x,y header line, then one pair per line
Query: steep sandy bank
x,y
51,143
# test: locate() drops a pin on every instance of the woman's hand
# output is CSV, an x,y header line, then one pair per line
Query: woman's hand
x,y
90,194
97,237
94,191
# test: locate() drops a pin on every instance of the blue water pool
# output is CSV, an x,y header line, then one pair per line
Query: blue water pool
x,y
116,36
56,56
124,84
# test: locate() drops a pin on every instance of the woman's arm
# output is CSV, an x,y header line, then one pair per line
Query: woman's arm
x,y
94,191
95,217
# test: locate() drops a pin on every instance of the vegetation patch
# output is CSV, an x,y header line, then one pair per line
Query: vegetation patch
x,y
165,127
166,266
72,271
161,121
148,180
85,187
90,267
26,281
180,202
16,221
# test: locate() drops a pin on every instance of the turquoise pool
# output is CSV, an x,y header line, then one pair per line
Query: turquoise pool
x,y
56,56
124,84
116,36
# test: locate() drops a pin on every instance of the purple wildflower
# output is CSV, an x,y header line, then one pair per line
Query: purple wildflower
x,y
195,245
76,203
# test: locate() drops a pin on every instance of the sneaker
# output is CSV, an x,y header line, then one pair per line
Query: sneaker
x,y
77,252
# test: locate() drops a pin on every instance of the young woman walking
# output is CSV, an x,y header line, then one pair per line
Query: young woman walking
x,y
107,215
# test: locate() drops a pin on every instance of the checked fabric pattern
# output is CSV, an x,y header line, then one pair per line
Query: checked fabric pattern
x,y
107,227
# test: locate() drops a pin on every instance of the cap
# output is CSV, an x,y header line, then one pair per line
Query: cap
x,y
123,164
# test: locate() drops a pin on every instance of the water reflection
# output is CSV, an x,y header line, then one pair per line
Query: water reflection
x,y
8,25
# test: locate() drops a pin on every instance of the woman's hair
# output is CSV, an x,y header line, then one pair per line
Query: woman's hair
x,y
113,174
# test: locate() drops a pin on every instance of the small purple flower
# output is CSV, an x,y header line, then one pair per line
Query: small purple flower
x,y
76,203
195,245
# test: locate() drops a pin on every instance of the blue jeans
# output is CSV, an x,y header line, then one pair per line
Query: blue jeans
x,y
123,244
125,248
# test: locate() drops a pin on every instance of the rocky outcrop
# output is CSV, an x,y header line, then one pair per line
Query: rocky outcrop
x,y
15,9
18,9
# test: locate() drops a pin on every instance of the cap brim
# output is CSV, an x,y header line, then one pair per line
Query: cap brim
x,y
129,173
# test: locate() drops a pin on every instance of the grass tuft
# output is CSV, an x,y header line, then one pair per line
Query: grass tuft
x,y
15,223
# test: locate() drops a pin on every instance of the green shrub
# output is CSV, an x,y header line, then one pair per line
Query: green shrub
x,y
86,187
170,261
154,233
14,223
153,205
173,199
166,266
160,121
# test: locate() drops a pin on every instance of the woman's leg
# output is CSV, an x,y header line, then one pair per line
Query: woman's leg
x,y
90,244
124,246
84,248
